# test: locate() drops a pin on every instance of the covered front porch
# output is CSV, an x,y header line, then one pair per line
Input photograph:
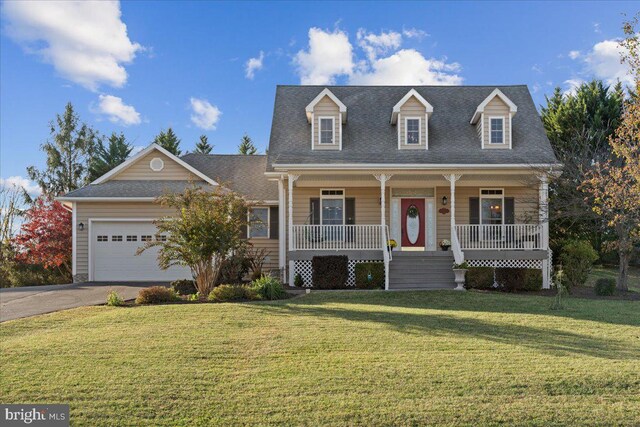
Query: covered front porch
x,y
495,219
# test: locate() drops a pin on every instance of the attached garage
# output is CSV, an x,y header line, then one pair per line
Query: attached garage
x,y
112,254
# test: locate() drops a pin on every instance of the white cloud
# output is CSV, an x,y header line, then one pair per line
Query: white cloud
x,y
411,33
379,44
603,61
574,54
537,68
408,67
330,54
205,115
117,111
253,65
596,28
20,182
85,41
572,85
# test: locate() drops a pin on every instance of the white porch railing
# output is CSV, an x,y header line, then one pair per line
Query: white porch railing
x,y
458,255
338,237
500,237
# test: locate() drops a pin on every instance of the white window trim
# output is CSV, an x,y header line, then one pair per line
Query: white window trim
x,y
504,131
333,197
268,236
491,196
406,131
333,130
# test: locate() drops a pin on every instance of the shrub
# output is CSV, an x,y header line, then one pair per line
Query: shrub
x,y
577,257
479,278
533,280
156,295
268,287
330,271
223,293
362,275
605,286
15,274
114,300
235,267
184,287
298,281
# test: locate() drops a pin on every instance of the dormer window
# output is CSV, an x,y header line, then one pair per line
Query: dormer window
x,y
327,129
412,127
497,130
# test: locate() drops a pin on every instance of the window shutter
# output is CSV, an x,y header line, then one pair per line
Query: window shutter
x,y
314,210
350,210
474,210
243,229
509,210
274,223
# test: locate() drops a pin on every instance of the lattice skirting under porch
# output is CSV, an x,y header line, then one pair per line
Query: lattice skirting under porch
x,y
506,263
305,269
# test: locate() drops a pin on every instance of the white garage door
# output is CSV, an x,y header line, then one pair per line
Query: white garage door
x,y
113,253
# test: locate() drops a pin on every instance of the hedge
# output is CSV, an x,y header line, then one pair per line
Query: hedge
x,y
508,279
330,271
362,275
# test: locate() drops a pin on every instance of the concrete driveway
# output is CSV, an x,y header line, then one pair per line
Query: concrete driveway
x,y
33,300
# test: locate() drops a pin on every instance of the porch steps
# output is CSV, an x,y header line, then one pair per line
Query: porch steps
x,y
421,270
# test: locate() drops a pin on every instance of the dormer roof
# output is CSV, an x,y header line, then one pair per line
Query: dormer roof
x,y
496,92
326,92
412,93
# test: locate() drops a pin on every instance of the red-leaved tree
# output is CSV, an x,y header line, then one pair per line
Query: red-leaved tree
x,y
45,236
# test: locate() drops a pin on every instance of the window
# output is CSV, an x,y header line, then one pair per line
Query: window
x,y
326,130
103,238
161,237
132,238
491,206
116,238
497,130
332,207
145,238
258,223
412,131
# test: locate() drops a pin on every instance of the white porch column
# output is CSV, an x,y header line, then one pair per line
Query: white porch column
x,y
282,230
291,179
383,178
543,212
452,178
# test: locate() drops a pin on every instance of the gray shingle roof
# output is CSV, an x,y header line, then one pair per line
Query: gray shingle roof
x,y
242,174
370,138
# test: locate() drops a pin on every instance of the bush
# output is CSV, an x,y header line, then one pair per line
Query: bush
x,y
533,280
156,295
577,257
114,300
269,288
330,271
223,293
298,281
235,267
605,286
479,278
15,274
362,275
184,287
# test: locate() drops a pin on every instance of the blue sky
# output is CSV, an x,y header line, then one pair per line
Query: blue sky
x,y
139,67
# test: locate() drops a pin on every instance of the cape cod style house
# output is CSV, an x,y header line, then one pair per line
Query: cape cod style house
x,y
348,169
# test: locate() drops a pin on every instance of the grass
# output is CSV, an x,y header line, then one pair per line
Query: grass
x,y
334,358
612,272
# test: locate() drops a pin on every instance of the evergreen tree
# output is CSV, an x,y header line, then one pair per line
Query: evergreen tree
x,y
107,158
203,146
246,146
68,153
169,141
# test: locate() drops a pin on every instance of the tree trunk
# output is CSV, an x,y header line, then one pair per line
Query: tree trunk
x,y
623,270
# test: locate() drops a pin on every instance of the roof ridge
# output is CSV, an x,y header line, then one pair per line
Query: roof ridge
x,y
388,86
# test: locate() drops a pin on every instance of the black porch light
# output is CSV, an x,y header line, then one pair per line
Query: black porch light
x,y
444,200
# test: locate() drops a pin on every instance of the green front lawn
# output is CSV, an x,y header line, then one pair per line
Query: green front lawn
x,y
334,358
612,272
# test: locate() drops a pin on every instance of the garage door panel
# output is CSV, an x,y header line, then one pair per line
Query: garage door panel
x,y
113,256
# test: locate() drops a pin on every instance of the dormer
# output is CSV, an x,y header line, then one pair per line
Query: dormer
x,y
411,117
326,114
493,120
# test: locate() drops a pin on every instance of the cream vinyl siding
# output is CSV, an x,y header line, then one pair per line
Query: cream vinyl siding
x,y
326,108
496,108
141,170
413,109
146,210
525,206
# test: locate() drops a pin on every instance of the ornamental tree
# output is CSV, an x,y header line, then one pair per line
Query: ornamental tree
x,y
45,236
206,228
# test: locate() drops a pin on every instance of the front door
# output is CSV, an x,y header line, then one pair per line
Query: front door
x,y
413,219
